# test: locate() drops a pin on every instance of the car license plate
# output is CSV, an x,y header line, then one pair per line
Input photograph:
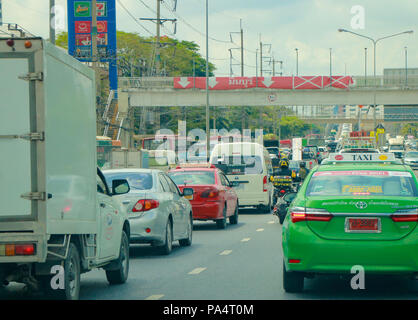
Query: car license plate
x,y
366,225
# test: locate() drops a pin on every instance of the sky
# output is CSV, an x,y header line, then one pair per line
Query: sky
x,y
311,26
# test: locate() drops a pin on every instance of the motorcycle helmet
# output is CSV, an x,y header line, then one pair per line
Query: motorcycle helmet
x,y
284,163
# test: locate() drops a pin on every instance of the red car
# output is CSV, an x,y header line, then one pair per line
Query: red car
x,y
214,197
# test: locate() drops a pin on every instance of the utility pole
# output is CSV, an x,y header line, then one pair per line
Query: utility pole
x,y
261,57
51,18
242,48
1,15
157,45
159,23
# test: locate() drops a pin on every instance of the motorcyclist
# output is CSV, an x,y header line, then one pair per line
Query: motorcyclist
x,y
285,170
303,171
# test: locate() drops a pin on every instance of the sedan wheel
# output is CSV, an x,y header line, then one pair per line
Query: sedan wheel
x,y
168,245
188,241
221,223
234,219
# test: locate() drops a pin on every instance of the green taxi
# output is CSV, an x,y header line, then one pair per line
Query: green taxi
x,y
353,210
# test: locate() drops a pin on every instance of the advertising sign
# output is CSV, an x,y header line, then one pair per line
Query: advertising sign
x,y
80,33
297,149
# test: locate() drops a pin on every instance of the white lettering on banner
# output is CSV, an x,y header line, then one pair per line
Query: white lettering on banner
x,y
358,20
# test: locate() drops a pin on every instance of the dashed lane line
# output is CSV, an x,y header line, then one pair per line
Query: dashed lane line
x,y
245,239
260,229
197,270
225,252
155,297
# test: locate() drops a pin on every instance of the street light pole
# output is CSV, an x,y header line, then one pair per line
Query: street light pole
x,y
207,84
406,66
330,68
365,67
375,41
297,62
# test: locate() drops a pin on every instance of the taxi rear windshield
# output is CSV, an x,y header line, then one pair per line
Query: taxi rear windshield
x,y
193,177
357,183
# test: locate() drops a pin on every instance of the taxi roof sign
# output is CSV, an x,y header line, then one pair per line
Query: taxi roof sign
x,y
361,157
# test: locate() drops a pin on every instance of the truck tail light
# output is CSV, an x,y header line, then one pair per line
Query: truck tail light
x,y
309,214
10,42
210,193
26,249
265,184
145,205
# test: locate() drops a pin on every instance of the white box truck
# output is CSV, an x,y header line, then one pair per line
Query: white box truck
x,y
58,218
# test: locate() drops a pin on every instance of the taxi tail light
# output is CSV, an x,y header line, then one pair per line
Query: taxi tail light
x,y
210,193
294,260
145,205
265,184
309,214
405,216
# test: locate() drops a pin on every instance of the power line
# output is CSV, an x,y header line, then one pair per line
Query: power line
x,y
136,21
192,27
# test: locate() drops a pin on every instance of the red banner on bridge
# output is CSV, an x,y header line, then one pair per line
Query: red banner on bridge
x,y
235,83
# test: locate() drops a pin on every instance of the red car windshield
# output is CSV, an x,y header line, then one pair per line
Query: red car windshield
x,y
193,177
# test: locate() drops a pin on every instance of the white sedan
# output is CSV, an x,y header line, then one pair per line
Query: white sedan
x,y
158,212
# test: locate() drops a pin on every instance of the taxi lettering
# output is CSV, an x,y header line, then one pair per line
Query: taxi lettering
x,y
359,157
360,189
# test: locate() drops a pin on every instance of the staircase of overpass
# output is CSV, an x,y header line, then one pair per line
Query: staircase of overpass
x,y
269,91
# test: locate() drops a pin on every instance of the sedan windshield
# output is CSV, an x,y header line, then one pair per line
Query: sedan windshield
x,y
136,180
353,183
193,177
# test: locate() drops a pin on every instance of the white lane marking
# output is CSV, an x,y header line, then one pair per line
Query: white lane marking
x,y
197,270
271,222
155,297
259,230
225,252
245,239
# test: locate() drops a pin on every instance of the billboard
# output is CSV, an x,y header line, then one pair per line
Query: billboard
x,y
80,31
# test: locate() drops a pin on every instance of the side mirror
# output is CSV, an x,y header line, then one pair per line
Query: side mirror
x,y
289,196
187,192
233,184
120,186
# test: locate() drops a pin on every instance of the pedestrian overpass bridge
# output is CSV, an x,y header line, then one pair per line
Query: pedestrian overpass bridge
x,y
266,91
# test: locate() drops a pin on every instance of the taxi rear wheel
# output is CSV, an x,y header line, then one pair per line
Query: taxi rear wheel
x,y
292,281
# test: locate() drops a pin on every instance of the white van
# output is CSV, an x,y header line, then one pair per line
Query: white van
x,y
249,166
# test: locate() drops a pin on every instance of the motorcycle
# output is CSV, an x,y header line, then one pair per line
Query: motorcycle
x,y
283,203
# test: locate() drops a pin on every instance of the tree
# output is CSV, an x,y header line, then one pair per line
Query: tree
x,y
410,129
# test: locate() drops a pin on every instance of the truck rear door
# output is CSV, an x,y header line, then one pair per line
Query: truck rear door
x,y
17,169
